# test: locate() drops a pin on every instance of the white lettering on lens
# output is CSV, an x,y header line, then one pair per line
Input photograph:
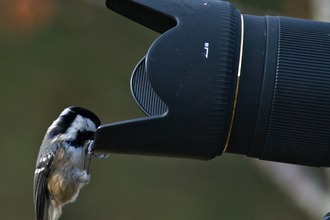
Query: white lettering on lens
x,y
206,47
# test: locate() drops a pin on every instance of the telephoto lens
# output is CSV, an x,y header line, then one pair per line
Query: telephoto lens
x,y
219,81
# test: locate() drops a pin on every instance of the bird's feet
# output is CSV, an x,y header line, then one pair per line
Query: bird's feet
x,y
90,151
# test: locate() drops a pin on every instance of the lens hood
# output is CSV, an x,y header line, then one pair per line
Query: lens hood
x,y
185,84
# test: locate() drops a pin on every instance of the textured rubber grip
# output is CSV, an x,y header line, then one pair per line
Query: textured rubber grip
x,y
143,93
299,123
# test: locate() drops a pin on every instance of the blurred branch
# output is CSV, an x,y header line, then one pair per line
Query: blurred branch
x,y
302,185
320,10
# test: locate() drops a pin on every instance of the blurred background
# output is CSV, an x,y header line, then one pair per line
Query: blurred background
x,y
59,53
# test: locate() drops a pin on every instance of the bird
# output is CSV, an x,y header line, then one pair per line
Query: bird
x,y
59,173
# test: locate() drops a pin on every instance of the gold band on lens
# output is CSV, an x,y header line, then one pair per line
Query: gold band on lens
x,y
237,84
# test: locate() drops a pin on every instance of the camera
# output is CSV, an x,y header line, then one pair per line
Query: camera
x,y
217,81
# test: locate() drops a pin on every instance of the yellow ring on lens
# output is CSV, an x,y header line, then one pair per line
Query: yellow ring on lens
x,y
237,84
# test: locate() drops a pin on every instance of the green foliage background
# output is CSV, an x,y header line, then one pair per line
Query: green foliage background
x,y
85,58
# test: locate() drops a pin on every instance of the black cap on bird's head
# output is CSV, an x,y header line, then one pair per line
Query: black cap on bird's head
x,y
86,114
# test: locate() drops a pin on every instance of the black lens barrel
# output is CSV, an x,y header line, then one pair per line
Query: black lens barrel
x,y
290,120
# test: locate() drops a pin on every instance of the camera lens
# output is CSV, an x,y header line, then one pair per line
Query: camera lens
x,y
283,103
218,81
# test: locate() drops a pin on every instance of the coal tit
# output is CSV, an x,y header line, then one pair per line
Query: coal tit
x,y
60,173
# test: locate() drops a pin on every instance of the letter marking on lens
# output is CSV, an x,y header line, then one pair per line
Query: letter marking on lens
x,y
206,47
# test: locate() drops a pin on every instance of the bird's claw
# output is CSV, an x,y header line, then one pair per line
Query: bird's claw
x,y
90,151
101,156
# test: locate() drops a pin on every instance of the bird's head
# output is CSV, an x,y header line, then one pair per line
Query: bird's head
x,y
75,125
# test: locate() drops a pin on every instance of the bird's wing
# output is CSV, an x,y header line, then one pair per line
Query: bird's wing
x,y
44,164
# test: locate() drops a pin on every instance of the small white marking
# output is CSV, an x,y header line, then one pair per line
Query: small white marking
x,y
206,47
66,111
43,159
39,170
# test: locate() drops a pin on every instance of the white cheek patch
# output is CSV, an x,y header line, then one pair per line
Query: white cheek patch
x,y
76,125
90,126
79,124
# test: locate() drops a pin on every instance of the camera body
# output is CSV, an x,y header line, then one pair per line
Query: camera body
x,y
218,81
